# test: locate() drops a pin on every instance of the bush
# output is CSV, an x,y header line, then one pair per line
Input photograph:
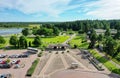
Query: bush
x,y
117,71
50,51
8,60
40,54
32,68
68,51
56,52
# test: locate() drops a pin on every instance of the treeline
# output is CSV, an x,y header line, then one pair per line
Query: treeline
x,y
109,43
12,24
22,42
83,25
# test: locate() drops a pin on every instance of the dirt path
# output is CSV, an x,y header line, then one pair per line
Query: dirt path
x,y
71,37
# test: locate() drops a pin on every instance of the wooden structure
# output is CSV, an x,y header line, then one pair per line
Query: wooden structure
x,y
57,47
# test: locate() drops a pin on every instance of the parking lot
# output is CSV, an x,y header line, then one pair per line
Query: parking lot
x,y
23,62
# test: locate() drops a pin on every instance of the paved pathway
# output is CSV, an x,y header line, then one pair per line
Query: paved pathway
x,y
46,65
71,37
77,62
64,61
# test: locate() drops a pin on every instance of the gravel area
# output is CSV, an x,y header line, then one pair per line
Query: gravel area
x,y
78,74
68,60
42,63
56,64
78,55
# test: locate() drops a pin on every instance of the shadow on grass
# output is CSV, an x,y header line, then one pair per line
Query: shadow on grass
x,y
115,73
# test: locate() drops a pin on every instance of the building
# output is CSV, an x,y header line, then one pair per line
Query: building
x,y
32,50
57,47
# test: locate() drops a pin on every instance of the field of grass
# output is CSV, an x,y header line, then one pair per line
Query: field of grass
x,y
79,41
6,43
46,40
51,40
105,62
34,25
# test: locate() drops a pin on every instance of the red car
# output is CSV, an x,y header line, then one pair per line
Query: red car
x,y
2,62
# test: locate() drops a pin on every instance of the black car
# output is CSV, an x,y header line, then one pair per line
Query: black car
x,y
5,65
23,56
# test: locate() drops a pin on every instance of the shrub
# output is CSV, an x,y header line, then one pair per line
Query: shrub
x,y
40,54
56,52
32,68
68,51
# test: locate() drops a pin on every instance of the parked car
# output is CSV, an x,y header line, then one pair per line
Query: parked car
x,y
15,62
2,62
23,56
5,65
19,56
3,55
14,56
17,66
5,75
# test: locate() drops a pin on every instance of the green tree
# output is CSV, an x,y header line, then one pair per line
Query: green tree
x,y
25,32
2,40
22,42
107,32
13,40
100,37
80,32
45,31
29,43
37,41
117,52
93,39
56,31
109,46
117,35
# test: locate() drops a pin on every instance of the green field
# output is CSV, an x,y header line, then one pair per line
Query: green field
x,y
51,40
6,43
45,40
79,41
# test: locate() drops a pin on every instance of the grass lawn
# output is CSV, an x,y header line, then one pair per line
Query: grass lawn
x,y
105,62
79,41
52,40
6,43
46,41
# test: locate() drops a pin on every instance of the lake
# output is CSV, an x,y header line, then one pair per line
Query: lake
x,y
10,31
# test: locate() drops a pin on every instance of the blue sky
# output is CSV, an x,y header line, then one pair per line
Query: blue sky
x,y
58,10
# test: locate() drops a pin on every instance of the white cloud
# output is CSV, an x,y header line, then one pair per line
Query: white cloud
x,y
105,9
50,7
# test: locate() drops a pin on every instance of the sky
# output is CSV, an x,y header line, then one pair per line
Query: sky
x,y
58,10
